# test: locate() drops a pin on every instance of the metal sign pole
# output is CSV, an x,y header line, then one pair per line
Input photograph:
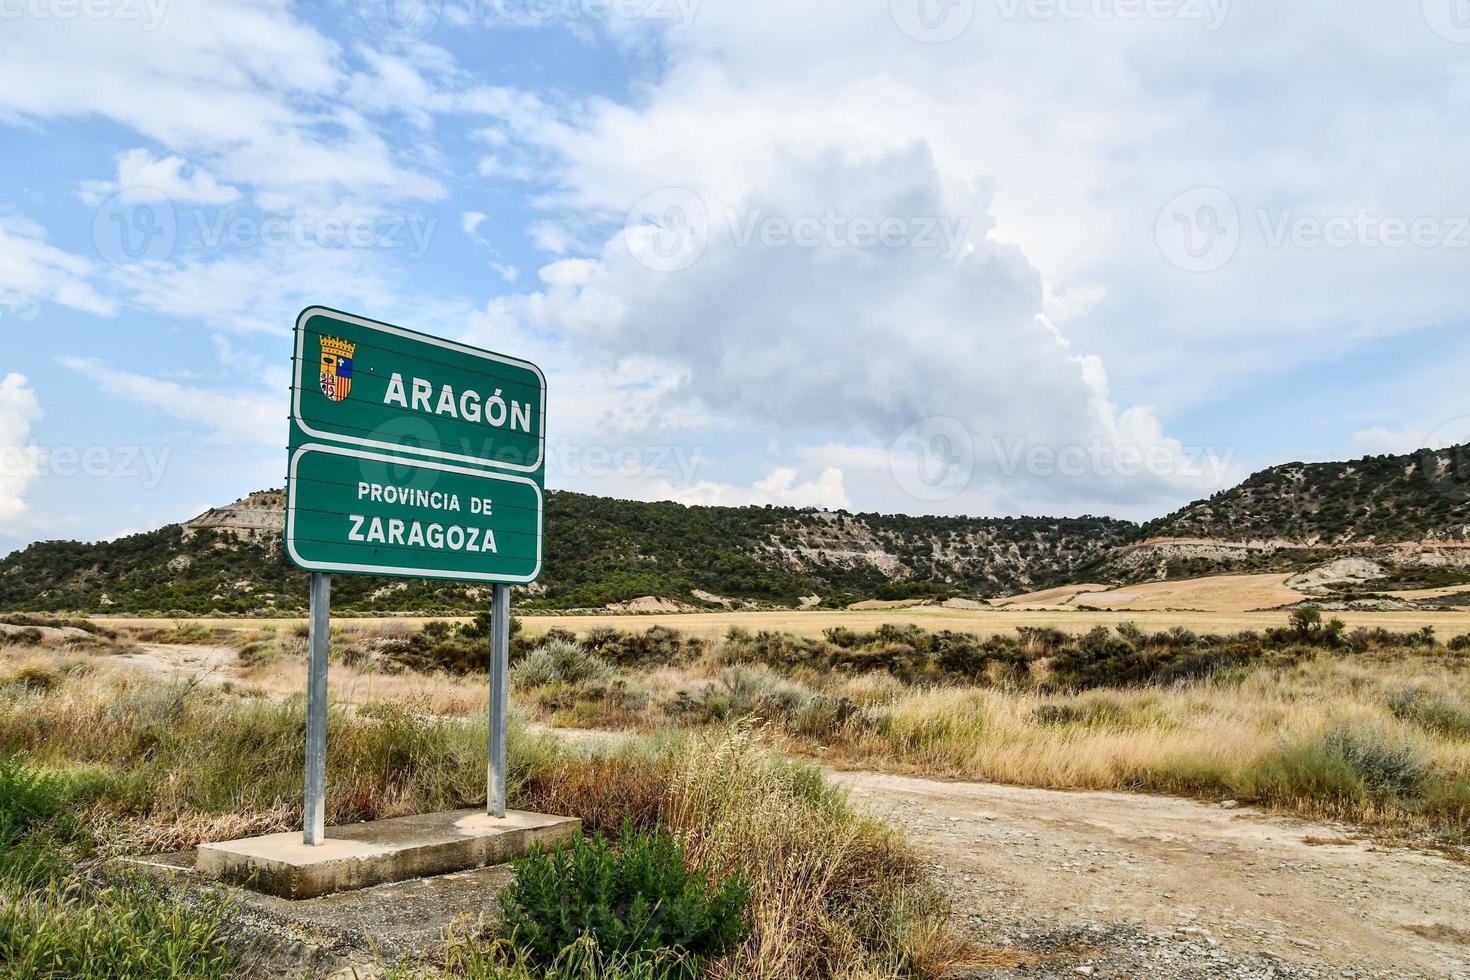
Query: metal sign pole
x,y
314,816
499,695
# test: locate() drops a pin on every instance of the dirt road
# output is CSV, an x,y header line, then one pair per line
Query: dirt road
x,y
180,662
1114,884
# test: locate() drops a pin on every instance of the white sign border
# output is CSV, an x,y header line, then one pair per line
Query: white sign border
x,y
393,570
296,418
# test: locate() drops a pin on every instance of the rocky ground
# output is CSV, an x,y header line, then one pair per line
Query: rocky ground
x,y
1063,884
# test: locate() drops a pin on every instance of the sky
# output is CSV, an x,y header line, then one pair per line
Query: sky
x,y
986,257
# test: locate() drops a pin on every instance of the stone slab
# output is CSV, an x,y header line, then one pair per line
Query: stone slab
x,y
380,851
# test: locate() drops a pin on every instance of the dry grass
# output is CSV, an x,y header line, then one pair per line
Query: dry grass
x,y
714,625
169,766
1217,594
833,894
1380,738
430,694
1268,737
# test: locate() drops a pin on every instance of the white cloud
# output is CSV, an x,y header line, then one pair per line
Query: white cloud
x,y
247,89
31,270
1444,434
1380,441
752,95
842,336
472,221
234,417
778,488
19,411
138,169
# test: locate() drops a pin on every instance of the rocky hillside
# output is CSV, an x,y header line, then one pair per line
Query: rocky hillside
x,y
1409,514
599,551
1375,500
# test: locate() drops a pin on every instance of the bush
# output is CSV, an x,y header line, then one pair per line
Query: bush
x,y
560,662
639,902
657,646
833,894
1386,768
1342,765
1431,712
27,637
1101,658
34,675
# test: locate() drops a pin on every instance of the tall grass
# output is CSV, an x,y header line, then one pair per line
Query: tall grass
x,y
1322,738
188,764
1372,729
57,923
159,767
833,894
76,930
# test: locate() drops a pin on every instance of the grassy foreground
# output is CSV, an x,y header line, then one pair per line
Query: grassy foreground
x,y
100,762
1369,727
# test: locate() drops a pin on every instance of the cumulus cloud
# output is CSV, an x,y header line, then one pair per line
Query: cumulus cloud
x,y
844,289
137,169
19,411
792,109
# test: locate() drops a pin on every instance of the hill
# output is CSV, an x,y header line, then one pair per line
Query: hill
x,y
598,551
1374,500
1398,521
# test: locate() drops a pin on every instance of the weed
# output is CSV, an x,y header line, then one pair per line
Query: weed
x,y
638,902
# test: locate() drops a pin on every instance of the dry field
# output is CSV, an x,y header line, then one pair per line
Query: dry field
x,y
814,622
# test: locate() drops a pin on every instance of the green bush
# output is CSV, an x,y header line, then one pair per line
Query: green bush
x,y
1385,767
1431,712
639,902
558,661
1340,765
656,646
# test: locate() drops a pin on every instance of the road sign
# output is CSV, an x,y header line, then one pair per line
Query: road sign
x,y
412,456
375,514
382,388
417,457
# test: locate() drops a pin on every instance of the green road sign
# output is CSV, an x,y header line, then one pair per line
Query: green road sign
x,y
382,388
375,514
412,455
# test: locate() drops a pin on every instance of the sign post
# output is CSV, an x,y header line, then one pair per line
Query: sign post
x,y
499,698
314,816
418,457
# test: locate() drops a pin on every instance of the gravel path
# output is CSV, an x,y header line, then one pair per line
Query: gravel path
x,y
1067,884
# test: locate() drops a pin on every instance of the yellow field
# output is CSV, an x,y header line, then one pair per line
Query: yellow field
x,y
1218,593
813,622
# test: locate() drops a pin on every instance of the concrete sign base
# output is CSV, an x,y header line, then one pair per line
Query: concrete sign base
x,y
367,854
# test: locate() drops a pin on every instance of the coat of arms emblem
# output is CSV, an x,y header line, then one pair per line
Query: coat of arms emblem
x,y
337,368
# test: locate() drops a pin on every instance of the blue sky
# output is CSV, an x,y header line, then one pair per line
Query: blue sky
x,y
948,256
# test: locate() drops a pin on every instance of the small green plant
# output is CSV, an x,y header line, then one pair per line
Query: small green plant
x,y
128,928
638,901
